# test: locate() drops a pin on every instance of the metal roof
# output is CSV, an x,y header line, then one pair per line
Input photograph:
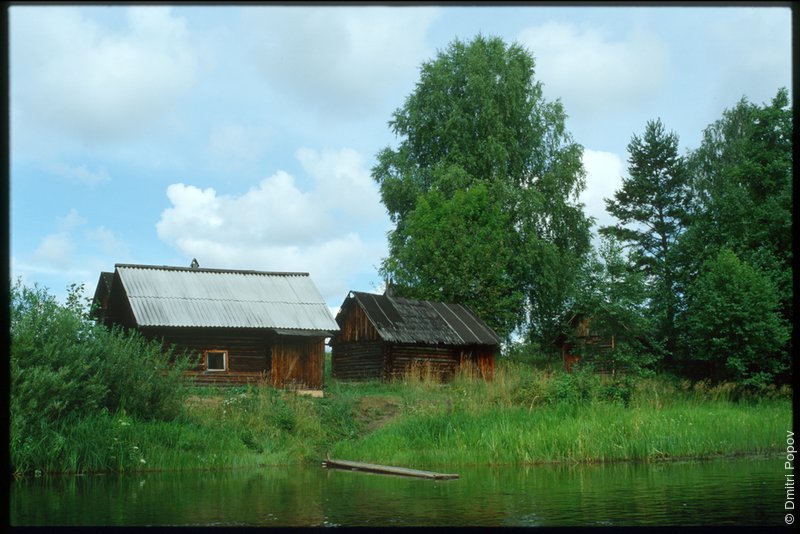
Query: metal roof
x,y
419,321
195,297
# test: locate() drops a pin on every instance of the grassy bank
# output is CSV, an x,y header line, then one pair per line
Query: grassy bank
x,y
523,416
529,416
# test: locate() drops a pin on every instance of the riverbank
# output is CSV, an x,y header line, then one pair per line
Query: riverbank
x,y
525,416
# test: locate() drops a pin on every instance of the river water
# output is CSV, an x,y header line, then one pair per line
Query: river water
x,y
747,491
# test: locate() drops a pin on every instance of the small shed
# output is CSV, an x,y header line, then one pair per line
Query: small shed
x,y
385,337
594,335
240,326
583,337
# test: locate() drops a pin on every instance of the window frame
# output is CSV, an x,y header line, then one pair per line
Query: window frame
x,y
225,362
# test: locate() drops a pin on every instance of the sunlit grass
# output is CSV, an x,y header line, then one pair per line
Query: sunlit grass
x,y
524,416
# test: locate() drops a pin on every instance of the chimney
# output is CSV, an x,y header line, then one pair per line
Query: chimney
x,y
389,291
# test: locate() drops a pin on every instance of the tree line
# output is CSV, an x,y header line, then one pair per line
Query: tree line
x,y
483,190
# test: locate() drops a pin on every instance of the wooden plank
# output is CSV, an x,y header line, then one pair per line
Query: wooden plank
x,y
386,470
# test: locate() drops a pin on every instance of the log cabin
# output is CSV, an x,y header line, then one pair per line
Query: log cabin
x,y
584,338
238,326
386,337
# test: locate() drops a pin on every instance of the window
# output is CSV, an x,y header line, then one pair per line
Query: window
x,y
216,360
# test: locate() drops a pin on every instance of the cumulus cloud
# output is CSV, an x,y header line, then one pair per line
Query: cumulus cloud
x,y
70,73
593,72
331,224
339,59
604,172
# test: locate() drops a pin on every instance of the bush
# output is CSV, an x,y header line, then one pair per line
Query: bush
x,y
64,367
733,324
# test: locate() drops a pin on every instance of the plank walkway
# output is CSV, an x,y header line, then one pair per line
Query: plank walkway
x,y
385,469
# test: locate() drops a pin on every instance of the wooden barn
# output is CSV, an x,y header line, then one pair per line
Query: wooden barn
x,y
386,337
241,326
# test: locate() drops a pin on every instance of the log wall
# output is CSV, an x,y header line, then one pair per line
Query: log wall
x,y
253,355
422,359
357,361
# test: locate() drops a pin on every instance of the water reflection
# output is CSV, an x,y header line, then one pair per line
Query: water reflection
x,y
730,492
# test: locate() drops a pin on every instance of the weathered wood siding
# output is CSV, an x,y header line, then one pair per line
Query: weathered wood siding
x,y
357,360
478,360
356,327
423,359
253,355
297,362
248,350
359,352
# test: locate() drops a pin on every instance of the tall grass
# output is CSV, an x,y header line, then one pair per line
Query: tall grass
x,y
526,416
84,399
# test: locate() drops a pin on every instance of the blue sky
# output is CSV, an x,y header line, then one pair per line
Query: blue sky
x,y
244,136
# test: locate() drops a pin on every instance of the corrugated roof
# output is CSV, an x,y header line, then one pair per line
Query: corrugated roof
x,y
187,297
402,320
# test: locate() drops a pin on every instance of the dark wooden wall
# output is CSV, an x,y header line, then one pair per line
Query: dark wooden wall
x,y
297,362
356,326
480,360
357,360
358,352
253,355
441,361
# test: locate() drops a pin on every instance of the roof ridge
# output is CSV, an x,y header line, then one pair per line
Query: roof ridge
x,y
207,270
220,299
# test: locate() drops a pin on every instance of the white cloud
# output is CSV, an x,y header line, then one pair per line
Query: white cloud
x,y
339,59
332,226
757,66
593,72
72,74
604,172
107,243
70,221
342,183
78,173
56,250
68,253
234,146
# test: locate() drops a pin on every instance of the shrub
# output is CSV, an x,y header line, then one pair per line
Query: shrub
x,y
64,367
733,324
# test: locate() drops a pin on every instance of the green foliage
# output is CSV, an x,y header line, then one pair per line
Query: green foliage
x,y
651,208
476,268
613,295
482,189
579,387
743,180
64,368
733,323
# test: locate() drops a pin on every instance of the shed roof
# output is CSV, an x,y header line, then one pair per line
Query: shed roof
x,y
196,297
403,320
